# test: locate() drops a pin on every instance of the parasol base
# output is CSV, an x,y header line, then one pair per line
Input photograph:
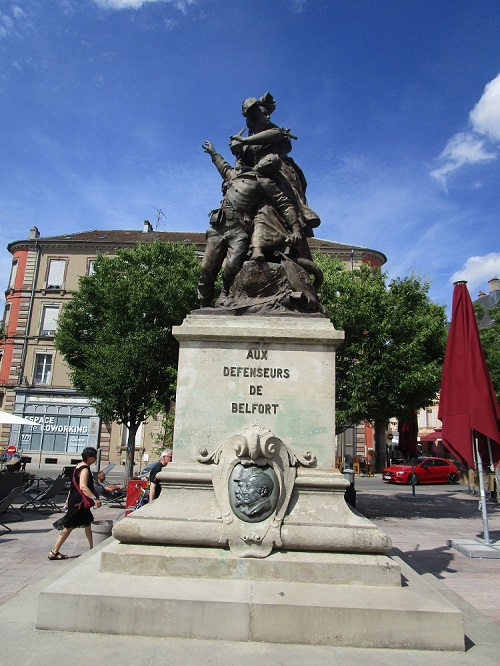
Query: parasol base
x,y
475,548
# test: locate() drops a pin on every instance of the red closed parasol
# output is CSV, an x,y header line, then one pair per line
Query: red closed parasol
x,y
468,407
467,401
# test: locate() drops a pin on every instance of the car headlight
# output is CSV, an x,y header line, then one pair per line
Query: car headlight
x,y
399,473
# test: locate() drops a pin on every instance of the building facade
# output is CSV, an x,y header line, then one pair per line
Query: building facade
x,y
34,379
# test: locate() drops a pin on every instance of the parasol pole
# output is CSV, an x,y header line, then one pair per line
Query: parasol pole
x,y
482,494
492,468
413,477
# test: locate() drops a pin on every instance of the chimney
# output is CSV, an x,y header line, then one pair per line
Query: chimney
x,y
34,233
148,227
494,295
494,284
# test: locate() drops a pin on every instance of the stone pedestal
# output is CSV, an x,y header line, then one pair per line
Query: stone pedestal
x,y
242,380
256,399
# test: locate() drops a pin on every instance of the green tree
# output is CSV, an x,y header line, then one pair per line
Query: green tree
x,y
391,360
116,332
490,340
165,437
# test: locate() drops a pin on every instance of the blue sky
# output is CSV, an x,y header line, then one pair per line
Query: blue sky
x,y
396,105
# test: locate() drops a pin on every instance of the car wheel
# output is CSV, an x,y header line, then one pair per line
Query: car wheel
x,y
416,480
453,478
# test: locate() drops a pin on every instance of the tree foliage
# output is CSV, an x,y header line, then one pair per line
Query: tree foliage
x,y
490,340
391,360
116,332
165,437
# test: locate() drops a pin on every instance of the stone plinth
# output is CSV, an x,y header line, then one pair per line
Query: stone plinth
x,y
218,563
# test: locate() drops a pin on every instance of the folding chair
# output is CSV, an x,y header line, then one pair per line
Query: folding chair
x,y
9,481
67,473
6,504
115,496
38,499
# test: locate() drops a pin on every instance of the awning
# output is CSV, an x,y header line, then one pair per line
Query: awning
x,y
12,419
432,436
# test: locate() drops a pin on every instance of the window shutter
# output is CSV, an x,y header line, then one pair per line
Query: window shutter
x,y
49,320
6,317
55,277
13,274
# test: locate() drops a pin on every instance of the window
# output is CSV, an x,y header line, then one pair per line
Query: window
x,y
43,367
138,437
90,267
432,418
55,275
6,318
49,320
13,274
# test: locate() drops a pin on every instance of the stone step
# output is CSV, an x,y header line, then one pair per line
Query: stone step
x,y
413,616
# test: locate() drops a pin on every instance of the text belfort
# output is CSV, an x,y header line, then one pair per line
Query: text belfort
x,y
256,372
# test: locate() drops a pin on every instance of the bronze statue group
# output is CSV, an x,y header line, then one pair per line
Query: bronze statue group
x,y
258,235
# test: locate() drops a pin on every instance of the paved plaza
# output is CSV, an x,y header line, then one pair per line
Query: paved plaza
x,y
419,527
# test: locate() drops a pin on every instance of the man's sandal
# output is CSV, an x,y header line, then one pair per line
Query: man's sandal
x,y
57,556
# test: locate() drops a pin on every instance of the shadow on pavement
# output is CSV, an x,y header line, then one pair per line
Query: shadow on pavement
x,y
435,561
436,505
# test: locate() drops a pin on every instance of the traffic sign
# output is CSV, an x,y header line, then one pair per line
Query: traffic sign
x,y
11,450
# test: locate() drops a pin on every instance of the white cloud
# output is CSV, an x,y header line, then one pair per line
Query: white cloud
x,y
478,270
485,116
18,12
463,148
297,6
182,5
15,22
6,25
479,144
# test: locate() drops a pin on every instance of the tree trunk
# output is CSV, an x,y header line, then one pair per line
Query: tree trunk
x,y
380,446
129,461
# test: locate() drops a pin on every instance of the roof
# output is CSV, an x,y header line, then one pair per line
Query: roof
x,y
121,236
124,237
488,301
106,240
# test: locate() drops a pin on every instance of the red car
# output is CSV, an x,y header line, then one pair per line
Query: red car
x,y
426,470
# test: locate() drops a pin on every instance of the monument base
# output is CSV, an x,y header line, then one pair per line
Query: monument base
x,y
187,514
206,593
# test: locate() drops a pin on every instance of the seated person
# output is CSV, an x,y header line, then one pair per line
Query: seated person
x,y
15,464
107,489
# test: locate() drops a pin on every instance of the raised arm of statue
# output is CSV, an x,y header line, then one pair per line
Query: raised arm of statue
x,y
208,148
223,167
